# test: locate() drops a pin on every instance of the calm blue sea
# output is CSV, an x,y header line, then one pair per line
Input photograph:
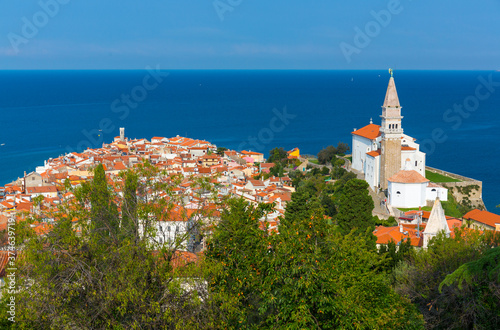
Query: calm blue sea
x,y
46,113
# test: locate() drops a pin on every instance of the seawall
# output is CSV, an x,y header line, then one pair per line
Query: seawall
x,y
468,190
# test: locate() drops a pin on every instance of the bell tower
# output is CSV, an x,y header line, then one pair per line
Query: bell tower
x,y
391,134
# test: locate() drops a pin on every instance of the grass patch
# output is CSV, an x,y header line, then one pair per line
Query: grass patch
x,y
435,177
314,161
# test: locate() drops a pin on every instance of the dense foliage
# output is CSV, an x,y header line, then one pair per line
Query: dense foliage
x,y
100,266
90,272
326,155
308,277
278,155
355,210
455,282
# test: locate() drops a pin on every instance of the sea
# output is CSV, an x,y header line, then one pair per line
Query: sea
x,y
454,115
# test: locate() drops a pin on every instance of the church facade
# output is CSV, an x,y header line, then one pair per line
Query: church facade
x,y
390,159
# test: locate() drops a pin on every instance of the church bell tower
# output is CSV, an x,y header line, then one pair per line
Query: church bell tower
x,y
391,134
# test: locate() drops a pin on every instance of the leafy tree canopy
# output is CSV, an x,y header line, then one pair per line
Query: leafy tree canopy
x,y
278,155
355,210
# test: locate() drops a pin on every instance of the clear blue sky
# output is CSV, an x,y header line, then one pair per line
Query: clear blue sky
x,y
254,34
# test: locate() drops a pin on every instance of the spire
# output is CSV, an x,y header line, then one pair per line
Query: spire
x,y
391,96
437,220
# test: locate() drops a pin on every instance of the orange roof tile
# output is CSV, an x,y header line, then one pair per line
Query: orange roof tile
x,y
370,131
386,234
374,153
408,177
485,217
43,189
405,148
251,153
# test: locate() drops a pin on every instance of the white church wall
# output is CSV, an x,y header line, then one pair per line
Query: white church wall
x,y
372,171
434,192
360,146
407,195
420,158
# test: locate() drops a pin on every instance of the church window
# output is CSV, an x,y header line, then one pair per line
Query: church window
x,y
433,190
397,192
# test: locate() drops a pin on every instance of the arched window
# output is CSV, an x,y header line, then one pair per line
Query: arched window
x,y
397,192
433,190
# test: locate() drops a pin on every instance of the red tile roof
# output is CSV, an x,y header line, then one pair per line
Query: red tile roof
x,y
485,217
370,131
374,153
408,177
251,153
386,234
39,190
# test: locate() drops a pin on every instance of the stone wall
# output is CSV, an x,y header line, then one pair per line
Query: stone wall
x,y
390,163
468,190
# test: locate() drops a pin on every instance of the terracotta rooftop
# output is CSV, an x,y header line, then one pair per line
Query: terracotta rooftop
x,y
374,153
39,190
408,177
485,217
370,131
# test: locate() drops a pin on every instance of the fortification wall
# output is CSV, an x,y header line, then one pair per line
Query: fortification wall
x,y
468,190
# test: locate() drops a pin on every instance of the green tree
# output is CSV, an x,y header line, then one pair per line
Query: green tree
x,y
37,201
277,155
396,253
342,148
220,151
277,170
466,299
327,154
103,210
129,225
236,256
328,205
74,276
355,210
309,276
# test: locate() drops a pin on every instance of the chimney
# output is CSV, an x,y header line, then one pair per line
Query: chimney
x,y
401,229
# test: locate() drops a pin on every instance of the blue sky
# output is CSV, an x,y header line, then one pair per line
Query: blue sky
x,y
250,34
